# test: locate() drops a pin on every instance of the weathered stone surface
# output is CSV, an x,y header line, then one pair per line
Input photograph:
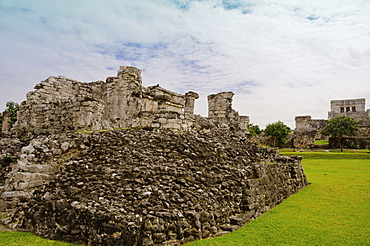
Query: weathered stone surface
x,y
221,113
5,124
141,187
307,130
199,178
60,105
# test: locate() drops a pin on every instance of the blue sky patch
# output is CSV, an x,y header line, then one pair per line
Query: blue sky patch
x,y
312,18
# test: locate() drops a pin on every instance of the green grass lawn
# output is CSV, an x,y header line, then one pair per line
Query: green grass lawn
x,y
333,210
321,142
26,239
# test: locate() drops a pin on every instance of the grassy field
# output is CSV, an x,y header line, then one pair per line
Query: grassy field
x,y
321,142
26,239
332,210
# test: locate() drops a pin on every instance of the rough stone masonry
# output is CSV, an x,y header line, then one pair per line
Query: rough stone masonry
x,y
59,104
151,186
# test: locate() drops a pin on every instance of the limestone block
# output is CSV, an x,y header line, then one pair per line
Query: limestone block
x,y
34,168
64,146
29,184
174,121
29,177
162,120
18,194
28,149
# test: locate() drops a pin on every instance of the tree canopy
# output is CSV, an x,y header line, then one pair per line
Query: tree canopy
x,y
279,133
254,130
339,127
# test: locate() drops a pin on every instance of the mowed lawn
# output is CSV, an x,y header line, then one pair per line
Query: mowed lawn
x,y
333,210
27,239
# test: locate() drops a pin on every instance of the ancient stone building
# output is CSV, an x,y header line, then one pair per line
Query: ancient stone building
x,y
350,108
220,111
308,129
59,104
133,186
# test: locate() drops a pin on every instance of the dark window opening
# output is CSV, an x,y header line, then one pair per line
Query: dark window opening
x,y
353,109
348,109
342,110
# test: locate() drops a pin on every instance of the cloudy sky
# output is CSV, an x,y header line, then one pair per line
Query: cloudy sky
x,y
281,58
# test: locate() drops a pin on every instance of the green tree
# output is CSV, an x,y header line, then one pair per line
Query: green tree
x,y
279,133
254,130
12,108
339,127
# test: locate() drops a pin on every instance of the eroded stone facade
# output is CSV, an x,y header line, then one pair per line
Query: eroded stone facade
x,y
350,108
59,105
221,112
306,131
5,124
161,185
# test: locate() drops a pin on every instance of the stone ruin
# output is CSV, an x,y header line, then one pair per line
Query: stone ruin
x,y
350,108
181,178
5,124
308,130
59,104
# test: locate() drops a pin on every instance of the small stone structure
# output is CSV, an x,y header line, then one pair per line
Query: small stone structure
x,y
59,104
308,129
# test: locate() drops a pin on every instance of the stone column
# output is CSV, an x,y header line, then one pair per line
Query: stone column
x,y
6,122
190,101
128,71
220,105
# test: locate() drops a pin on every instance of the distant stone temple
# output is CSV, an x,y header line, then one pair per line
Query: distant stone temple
x,y
350,108
59,104
308,129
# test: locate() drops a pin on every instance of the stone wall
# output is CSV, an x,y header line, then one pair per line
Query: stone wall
x,y
140,187
220,112
60,105
360,141
307,130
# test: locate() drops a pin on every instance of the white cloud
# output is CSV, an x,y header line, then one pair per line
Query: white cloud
x,y
281,58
